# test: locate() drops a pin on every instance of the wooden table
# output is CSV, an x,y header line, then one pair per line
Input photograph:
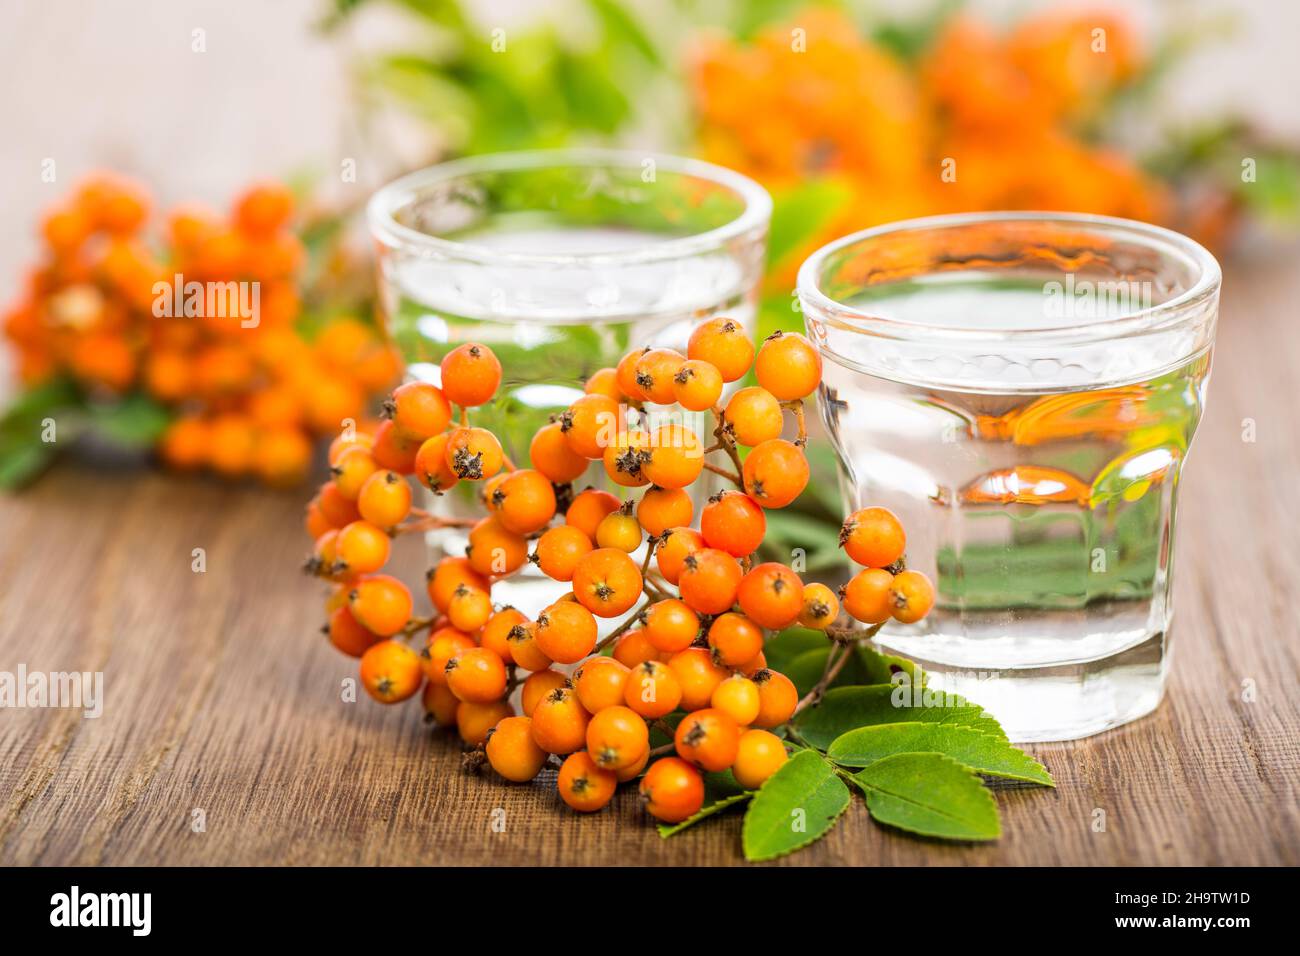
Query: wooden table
x,y
221,696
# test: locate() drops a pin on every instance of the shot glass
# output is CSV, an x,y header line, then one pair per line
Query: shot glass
x,y
560,261
1022,390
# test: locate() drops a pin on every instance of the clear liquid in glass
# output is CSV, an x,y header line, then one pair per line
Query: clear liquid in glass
x,y
1037,490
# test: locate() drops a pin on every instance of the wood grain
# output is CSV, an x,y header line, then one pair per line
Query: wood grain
x,y
222,697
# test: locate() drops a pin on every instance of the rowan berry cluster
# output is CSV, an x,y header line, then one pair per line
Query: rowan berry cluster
x,y
119,311
687,656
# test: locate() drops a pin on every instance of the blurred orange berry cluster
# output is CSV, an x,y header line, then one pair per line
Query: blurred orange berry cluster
x,y
978,120
203,322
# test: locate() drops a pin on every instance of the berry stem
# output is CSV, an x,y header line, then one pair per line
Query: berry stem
x,y
732,476
427,522
726,442
845,641
619,631
800,420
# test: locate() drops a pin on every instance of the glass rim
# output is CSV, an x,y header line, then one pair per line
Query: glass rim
x,y
1166,241
387,199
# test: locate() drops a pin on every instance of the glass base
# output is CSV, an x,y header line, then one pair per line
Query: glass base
x,y
1063,701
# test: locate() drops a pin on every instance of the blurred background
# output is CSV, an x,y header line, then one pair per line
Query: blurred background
x,y
1175,112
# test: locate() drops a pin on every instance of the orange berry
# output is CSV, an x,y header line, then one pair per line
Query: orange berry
x,y
444,644
263,209
737,697
672,789
583,785
675,545
652,690
449,575
537,686
348,440
495,633
469,609
873,537
512,752
588,508
591,424
625,375
393,451
477,675
493,550
623,458
524,650
788,366
385,499
360,548
820,606
185,444
565,632
617,737
559,550
606,582
867,596
381,603
233,443
662,508
440,703
698,676
674,457
633,771
619,530
656,370
475,721
634,648
725,345
912,595
349,636
775,473
470,375
560,722
350,472
670,625
733,522
777,698
338,510
390,671
708,581
759,754
600,683
473,453
431,467
697,386
734,639
754,416
707,739
604,381
551,455
771,595
524,502
419,410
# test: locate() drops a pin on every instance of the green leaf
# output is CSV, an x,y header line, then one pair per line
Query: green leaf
x,y
784,647
800,214
19,464
979,751
135,421
843,709
797,805
880,668
669,829
930,794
